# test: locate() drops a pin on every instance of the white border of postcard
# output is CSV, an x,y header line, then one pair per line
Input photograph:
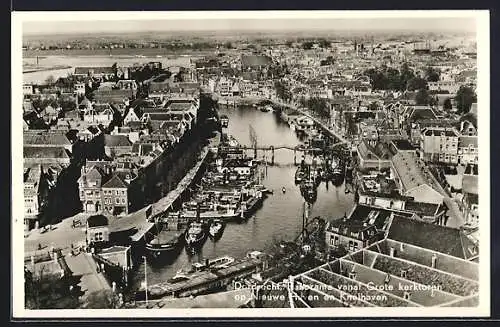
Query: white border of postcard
x,y
482,32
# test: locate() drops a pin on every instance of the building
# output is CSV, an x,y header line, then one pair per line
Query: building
x,y
417,264
94,72
56,155
450,87
99,114
93,176
97,229
439,145
408,175
34,195
468,151
470,195
116,145
115,197
373,157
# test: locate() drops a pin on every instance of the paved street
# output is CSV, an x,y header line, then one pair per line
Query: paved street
x,y
61,236
83,265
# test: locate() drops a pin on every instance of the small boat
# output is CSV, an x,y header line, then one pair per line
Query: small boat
x,y
266,108
195,235
299,175
216,228
224,120
196,268
309,191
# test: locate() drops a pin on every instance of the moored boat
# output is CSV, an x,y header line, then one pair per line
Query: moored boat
x,y
166,242
195,235
216,228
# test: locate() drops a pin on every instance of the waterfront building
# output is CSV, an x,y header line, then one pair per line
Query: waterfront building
x,y
115,197
407,172
97,230
373,155
101,73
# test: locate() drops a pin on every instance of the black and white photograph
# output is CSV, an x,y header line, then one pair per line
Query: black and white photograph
x,y
244,164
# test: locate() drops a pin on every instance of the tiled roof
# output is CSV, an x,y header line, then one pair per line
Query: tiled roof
x,y
115,182
403,145
116,140
55,152
430,236
97,220
422,209
48,138
418,113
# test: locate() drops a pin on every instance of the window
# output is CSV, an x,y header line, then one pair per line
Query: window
x,y
351,246
97,193
406,295
117,200
355,247
403,273
123,200
123,192
117,192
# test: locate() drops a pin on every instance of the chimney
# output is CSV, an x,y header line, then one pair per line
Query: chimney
x,y
434,260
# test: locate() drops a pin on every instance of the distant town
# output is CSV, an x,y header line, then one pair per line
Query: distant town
x,y
149,184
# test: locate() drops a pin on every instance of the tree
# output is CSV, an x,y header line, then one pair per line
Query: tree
x,y
447,104
228,45
307,45
50,80
289,43
417,83
105,299
432,75
422,98
465,98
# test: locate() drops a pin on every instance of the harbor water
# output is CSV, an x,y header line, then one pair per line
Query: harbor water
x,y
279,218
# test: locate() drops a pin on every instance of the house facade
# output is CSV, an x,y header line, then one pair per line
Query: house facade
x,y
439,144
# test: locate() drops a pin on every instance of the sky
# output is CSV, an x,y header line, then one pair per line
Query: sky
x,y
35,26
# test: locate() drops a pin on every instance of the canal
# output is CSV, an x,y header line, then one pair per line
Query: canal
x,y
280,216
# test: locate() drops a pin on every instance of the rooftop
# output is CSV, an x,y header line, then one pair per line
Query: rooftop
x,y
403,145
47,152
408,171
427,235
48,138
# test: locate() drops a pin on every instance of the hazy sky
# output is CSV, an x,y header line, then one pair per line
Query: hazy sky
x,y
118,26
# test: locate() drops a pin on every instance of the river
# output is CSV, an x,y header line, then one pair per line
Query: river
x,y
39,77
280,215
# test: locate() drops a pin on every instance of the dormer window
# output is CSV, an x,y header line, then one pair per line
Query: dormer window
x,y
403,273
406,295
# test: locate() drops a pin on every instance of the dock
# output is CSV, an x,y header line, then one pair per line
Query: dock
x,y
213,279
141,219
